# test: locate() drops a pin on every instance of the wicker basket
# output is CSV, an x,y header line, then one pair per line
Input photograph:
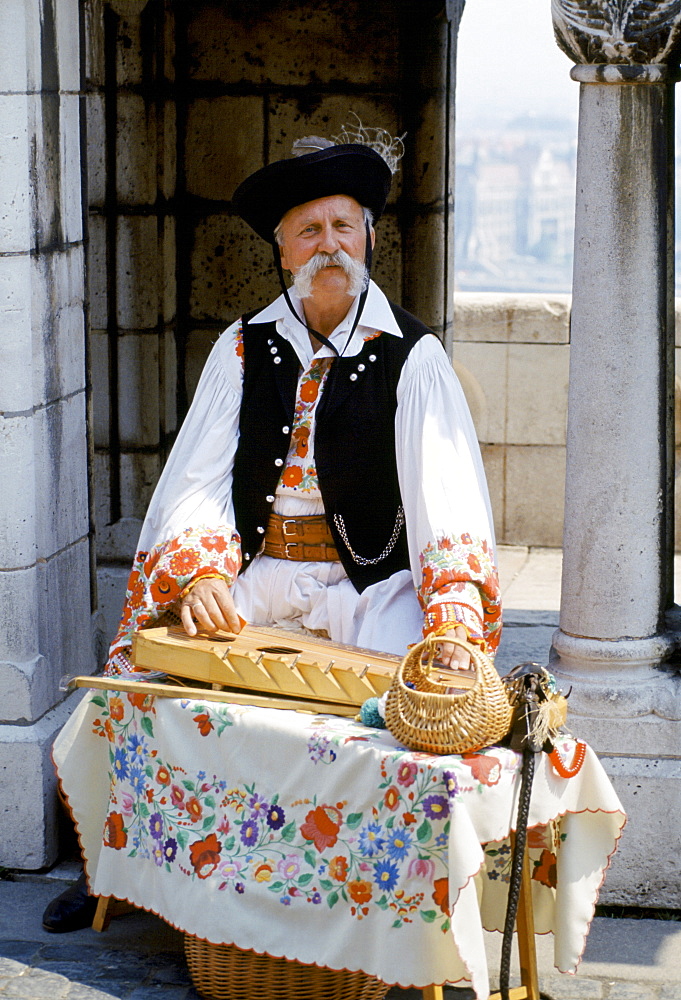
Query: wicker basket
x,y
422,715
225,972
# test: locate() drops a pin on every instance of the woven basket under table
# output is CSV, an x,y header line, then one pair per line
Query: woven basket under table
x,y
225,972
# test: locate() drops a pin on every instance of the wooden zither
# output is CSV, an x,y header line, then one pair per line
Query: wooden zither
x,y
268,661
260,666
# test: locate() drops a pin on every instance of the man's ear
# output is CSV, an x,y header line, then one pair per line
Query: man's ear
x,y
282,256
373,237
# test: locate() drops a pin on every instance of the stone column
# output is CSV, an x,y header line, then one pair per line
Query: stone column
x,y
46,597
615,626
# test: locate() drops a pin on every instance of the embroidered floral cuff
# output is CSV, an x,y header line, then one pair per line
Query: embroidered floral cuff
x,y
159,577
459,573
447,615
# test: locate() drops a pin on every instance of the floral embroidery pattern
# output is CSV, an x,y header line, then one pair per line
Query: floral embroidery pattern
x,y
158,577
392,856
299,474
449,566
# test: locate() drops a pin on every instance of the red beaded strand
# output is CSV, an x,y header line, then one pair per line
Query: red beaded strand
x,y
565,770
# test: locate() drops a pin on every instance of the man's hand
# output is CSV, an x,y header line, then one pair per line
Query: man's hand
x,y
209,604
453,656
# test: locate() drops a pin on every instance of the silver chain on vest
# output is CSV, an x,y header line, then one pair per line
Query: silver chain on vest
x,y
360,560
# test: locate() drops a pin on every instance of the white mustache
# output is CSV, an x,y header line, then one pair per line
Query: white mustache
x,y
355,270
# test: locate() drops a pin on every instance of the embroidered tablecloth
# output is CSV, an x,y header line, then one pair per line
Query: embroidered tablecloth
x,y
315,838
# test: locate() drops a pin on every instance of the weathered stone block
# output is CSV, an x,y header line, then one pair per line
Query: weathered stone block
x,y
488,365
18,515
168,174
428,184
96,271
135,150
19,46
54,127
94,42
96,151
646,869
28,807
137,273
225,138
494,460
327,42
70,167
129,53
15,213
18,631
61,474
537,416
112,582
168,251
168,357
199,346
535,495
99,369
475,397
117,543
57,639
138,390
231,270
386,269
102,492
292,119
57,286
500,318
16,386
425,268
67,34
139,475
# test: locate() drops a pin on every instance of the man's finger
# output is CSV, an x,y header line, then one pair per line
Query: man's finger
x,y
187,620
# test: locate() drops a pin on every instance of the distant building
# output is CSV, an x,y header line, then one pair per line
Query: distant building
x,y
515,207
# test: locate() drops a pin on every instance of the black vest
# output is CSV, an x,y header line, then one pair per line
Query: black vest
x,y
354,445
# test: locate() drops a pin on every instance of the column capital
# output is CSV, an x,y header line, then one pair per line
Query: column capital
x,y
621,32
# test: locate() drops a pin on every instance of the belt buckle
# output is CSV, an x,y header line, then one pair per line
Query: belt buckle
x,y
286,547
289,520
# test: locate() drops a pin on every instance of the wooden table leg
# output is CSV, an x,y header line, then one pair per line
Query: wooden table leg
x,y
527,952
108,907
432,993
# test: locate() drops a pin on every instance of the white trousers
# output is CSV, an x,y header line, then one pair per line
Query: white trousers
x,y
386,617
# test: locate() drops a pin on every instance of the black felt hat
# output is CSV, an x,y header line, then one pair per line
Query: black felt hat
x,y
266,196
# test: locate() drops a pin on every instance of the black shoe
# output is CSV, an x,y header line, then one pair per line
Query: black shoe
x,y
72,910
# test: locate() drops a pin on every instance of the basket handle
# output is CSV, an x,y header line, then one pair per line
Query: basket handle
x,y
429,644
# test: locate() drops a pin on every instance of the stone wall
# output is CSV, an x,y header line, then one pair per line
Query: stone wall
x,y
512,354
47,596
184,101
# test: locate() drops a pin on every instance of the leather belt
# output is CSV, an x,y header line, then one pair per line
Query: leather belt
x,y
304,539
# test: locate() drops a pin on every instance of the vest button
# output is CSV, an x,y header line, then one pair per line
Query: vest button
x,y
273,350
285,430
278,462
270,499
277,360
360,368
372,357
246,556
353,377
270,341
261,531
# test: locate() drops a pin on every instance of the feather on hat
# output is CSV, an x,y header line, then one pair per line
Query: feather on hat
x,y
319,168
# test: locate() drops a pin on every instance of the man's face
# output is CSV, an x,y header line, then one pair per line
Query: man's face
x,y
322,227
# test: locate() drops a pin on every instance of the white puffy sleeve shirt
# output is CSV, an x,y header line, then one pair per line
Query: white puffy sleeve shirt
x,y
189,528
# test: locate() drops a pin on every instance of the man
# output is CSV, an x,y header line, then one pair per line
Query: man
x,y
327,475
